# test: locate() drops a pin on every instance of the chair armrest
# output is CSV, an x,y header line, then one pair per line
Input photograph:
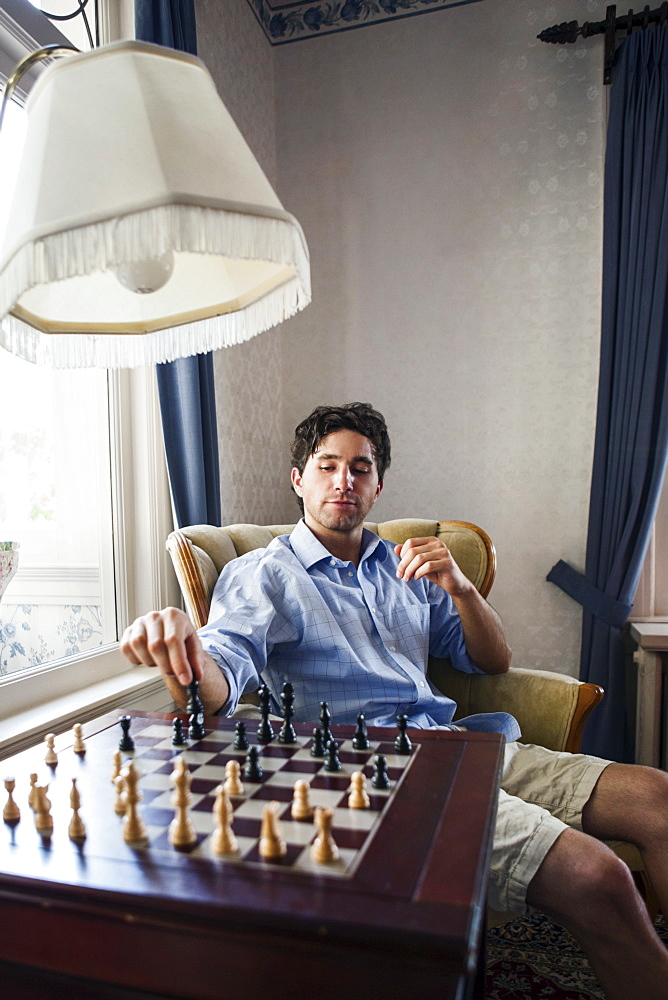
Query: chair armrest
x,y
192,566
551,708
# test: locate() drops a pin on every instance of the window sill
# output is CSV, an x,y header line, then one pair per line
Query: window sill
x,y
139,688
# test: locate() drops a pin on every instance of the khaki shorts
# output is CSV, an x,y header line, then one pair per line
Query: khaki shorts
x,y
543,792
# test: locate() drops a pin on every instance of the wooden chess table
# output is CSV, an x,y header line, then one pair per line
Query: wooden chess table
x,y
400,914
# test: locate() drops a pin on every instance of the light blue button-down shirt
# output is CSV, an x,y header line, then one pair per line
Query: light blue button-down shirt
x,y
357,638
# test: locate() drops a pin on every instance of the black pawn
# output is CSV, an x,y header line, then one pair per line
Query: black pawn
x,y
402,744
126,742
325,717
252,770
379,778
195,710
318,747
333,763
178,737
240,740
287,732
360,736
265,731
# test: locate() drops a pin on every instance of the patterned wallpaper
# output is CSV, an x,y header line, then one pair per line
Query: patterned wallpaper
x,y
449,181
248,377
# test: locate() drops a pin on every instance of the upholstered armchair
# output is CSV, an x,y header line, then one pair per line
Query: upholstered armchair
x,y
551,708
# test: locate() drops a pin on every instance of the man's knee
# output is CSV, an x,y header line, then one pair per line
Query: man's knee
x,y
580,877
602,878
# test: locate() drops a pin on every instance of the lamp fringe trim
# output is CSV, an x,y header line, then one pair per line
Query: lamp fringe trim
x,y
87,350
106,245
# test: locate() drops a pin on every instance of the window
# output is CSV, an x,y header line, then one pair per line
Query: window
x,y
55,492
83,487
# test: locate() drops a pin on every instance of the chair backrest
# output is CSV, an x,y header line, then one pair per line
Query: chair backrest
x,y
200,551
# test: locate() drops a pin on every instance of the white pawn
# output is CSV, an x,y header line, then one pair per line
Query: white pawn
x,y
120,805
324,849
358,798
301,807
76,830
78,746
118,764
32,795
223,840
51,755
233,784
11,812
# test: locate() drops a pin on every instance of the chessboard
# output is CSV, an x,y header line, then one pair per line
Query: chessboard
x,y
398,907
154,756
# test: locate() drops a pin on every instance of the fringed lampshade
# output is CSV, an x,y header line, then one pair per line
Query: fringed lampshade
x,y
142,228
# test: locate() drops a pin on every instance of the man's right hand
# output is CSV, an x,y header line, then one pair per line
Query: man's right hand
x,y
165,639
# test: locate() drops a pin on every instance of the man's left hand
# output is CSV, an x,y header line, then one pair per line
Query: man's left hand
x,y
431,558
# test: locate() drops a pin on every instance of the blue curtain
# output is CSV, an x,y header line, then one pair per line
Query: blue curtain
x,y
185,386
631,443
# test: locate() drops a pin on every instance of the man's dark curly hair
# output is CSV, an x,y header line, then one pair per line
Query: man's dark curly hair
x,y
324,420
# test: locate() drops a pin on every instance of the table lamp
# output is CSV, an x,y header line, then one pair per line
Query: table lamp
x,y
142,229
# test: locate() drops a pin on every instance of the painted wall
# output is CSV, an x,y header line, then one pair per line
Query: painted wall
x,y
447,171
248,378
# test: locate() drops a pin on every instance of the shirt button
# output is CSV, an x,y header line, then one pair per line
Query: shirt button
x,y
350,573
393,649
332,562
421,684
373,611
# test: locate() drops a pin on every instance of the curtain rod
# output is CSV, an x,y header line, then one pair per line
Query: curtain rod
x,y
569,31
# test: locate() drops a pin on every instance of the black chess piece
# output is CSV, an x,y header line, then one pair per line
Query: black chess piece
x,y
332,762
287,732
380,778
178,736
126,743
325,717
402,744
361,736
318,747
252,770
195,710
265,731
240,739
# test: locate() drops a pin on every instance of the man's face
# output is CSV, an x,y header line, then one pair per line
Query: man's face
x,y
340,484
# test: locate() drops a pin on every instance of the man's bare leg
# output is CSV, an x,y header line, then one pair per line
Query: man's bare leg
x,y
585,887
630,803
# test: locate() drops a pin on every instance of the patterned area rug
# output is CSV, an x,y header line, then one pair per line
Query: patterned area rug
x,y
533,959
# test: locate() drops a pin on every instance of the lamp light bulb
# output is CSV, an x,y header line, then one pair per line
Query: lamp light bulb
x,y
146,276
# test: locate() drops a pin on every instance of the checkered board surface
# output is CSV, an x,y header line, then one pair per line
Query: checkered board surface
x,y
155,756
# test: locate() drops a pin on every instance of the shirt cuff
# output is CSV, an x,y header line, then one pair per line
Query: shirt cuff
x,y
233,698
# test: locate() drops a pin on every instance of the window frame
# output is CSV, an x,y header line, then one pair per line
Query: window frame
x,y
142,514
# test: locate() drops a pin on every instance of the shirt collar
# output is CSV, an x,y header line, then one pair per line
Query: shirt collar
x,y
310,551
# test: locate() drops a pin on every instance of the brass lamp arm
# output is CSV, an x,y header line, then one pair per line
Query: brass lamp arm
x,y
47,52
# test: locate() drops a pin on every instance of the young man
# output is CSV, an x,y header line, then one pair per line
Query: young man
x,y
350,619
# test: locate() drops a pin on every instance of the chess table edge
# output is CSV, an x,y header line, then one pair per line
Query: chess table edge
x,y
135,917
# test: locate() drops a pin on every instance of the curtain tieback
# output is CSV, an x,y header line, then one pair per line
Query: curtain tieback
x,y
611,611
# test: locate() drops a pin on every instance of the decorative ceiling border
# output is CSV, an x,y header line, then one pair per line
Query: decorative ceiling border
x,y
290,22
